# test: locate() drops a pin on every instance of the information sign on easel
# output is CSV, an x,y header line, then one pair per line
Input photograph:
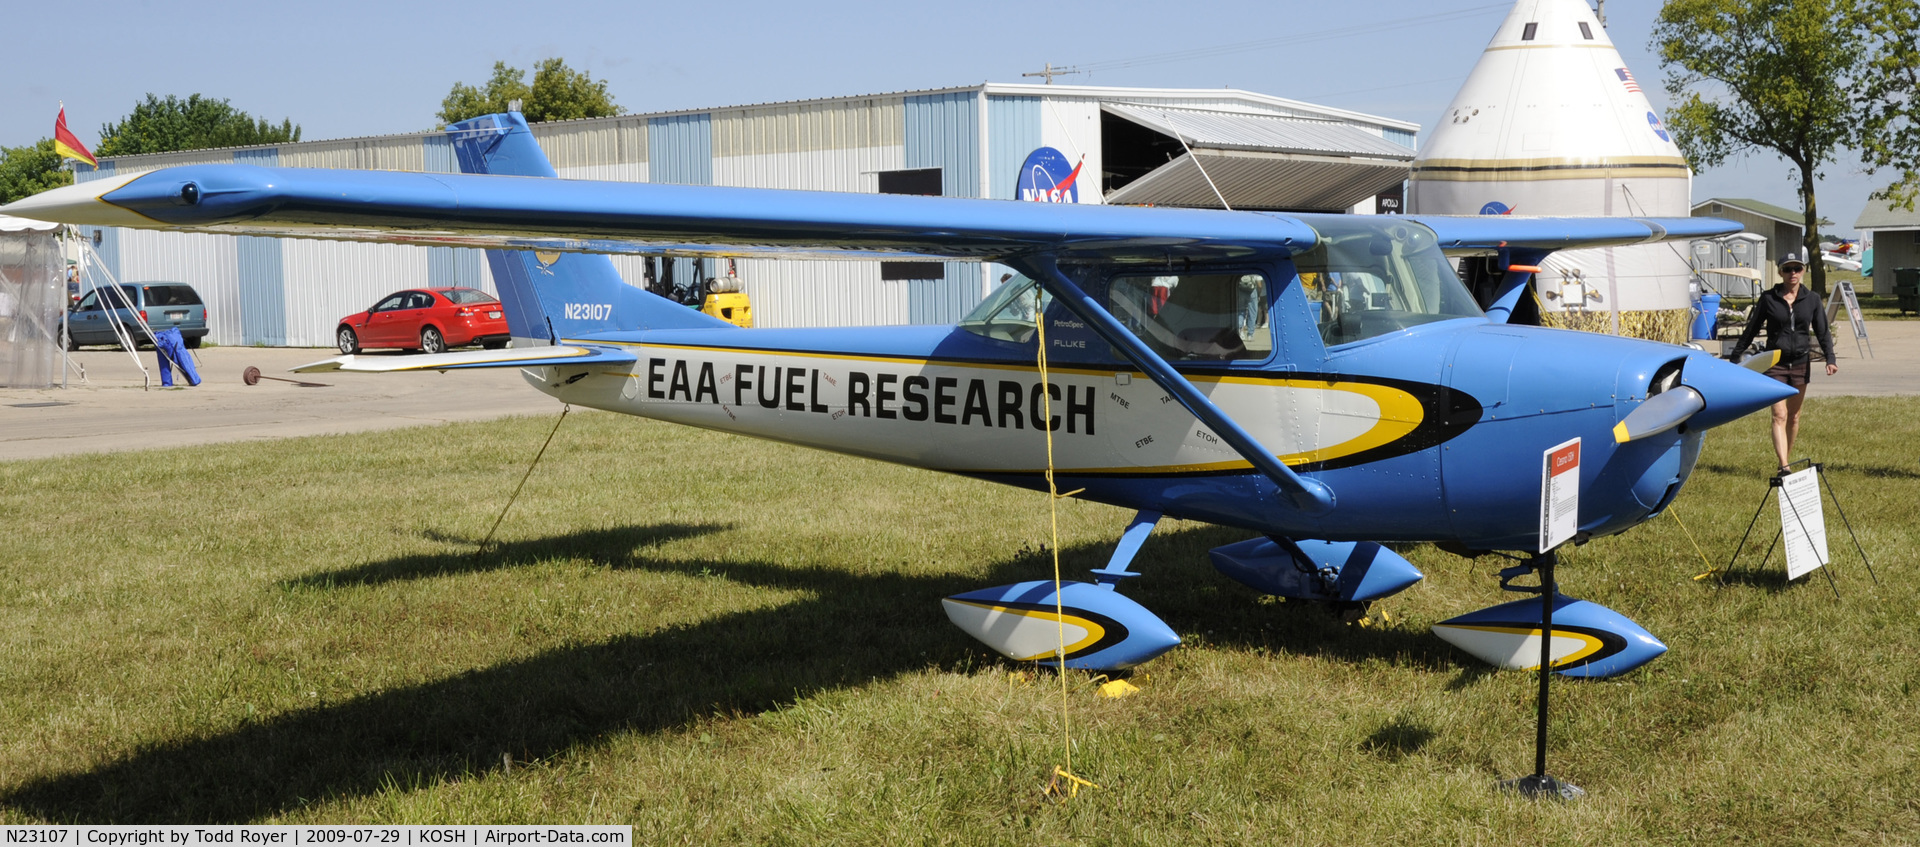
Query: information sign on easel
x,y
1560,495
1803,526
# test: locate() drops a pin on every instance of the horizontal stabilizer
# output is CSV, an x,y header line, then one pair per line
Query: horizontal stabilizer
x,y
531,357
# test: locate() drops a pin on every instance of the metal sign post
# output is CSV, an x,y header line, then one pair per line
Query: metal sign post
x,y
1559,523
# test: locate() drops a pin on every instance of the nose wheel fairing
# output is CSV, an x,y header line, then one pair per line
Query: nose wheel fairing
x,y
1343,571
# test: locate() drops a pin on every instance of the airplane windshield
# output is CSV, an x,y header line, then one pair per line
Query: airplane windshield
x,y
1370,276
1007,313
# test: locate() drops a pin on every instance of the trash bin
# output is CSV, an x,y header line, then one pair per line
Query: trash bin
x,y
1906,286
1706,316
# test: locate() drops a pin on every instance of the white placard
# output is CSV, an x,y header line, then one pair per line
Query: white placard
x,y
1803,526
1559,494
1852,301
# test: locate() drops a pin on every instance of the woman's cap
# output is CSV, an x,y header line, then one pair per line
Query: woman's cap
x,y
1793,257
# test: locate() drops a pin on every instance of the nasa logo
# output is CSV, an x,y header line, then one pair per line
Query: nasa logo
x,y
1495,208
1653,121
1046,177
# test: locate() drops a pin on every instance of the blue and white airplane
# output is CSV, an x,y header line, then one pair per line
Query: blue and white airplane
x,y
1324,381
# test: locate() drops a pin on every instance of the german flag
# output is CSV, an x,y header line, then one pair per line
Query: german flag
x,y
67,145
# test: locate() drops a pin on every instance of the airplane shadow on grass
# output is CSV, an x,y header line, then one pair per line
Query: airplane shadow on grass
x,y
852,630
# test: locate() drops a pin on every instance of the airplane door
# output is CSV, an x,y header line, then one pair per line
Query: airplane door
x,y
1214,327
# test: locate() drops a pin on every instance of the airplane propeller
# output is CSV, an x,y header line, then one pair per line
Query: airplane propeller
x,y
1761,361
1660,413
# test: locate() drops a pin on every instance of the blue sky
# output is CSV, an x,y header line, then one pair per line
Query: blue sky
x,y
354,68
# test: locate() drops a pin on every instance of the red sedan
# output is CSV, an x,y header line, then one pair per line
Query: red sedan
x,y
426,319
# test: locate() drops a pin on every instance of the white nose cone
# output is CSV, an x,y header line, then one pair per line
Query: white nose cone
x,y
1551,122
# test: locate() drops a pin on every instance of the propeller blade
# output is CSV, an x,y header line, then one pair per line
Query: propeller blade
x,y
1761,361
1660,413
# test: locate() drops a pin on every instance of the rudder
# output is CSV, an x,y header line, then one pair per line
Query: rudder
x,y
553,296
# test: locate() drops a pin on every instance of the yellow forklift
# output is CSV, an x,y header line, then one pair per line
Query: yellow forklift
x,y
723,297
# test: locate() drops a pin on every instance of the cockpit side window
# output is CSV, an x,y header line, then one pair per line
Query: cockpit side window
x,y
1366,278
1008,313
1195,316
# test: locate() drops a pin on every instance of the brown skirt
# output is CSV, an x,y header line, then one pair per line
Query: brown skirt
x,y
1795,376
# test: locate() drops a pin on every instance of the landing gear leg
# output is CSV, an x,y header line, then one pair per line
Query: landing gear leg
x,y
1539,784
1129,547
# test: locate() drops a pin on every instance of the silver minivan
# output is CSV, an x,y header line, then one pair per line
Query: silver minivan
x,y
161,305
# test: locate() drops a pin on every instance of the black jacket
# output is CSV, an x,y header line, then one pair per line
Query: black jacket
x,y
1788,325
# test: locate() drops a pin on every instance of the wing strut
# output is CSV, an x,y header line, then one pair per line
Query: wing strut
x,y
1521,266
1308,495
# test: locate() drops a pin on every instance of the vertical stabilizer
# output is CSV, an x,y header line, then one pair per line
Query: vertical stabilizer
x,y
549,296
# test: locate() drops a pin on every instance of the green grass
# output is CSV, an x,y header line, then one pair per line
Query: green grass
x,y
726,641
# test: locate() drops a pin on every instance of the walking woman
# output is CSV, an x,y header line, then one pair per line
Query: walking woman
x,y
1790,312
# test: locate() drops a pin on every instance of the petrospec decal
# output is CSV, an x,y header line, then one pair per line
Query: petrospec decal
x,y
1047,177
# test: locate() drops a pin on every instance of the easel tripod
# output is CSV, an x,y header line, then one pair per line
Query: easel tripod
x,y
1776,481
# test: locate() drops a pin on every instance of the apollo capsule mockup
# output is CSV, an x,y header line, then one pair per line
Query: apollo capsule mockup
x,y
1551,122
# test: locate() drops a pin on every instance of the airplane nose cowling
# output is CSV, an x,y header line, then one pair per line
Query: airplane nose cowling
x,y
1731,392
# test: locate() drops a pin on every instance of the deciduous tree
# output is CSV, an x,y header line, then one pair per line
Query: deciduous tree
x,y
30,170
196,123
1889,97
1775,75
558,93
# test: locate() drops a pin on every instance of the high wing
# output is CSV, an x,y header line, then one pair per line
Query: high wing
x,y
526,213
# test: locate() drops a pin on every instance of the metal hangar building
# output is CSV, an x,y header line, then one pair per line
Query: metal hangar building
x,y
1131,145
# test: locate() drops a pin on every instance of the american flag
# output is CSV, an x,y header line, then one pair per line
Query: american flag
x,y
1626,78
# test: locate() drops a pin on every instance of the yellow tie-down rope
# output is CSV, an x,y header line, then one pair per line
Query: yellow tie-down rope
x,y
1063,784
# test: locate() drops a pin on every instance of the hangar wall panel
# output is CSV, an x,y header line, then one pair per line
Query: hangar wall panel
x,y
1072,126
263,282
209,263
944,131
263,276
1013,132
384,153
326,280
614,149
680,149
808,127
818,293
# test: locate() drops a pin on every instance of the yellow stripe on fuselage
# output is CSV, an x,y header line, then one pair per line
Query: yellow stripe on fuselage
x,y
1399,413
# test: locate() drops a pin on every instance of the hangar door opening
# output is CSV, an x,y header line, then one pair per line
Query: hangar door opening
x,y
1258,162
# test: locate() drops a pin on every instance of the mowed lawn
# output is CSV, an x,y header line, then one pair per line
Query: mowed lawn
x,y
720,640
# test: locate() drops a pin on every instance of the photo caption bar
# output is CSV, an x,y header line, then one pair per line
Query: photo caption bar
x,y
296,836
